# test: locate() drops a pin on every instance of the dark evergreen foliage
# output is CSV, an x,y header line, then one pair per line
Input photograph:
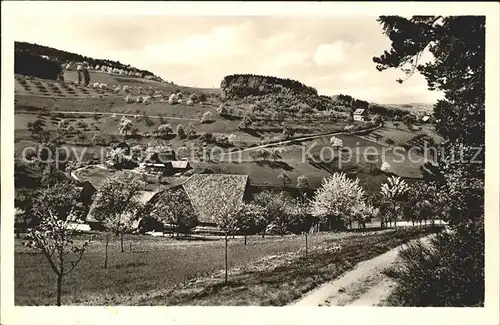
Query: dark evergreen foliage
x,y
29,64
449,272
64,56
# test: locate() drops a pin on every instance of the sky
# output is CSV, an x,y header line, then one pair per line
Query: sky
x,y
332,54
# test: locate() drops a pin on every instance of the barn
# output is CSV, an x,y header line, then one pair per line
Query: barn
x,y
95,224
209,192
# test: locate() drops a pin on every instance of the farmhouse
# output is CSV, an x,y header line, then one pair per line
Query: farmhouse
x,y
177,166
210,192
91,220
360,114
162,156
165,161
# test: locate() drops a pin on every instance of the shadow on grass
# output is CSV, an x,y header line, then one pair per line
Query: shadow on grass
x,y
195,238
252,132
231,117
275,164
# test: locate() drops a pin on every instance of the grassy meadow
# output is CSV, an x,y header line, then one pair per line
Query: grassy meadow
x,y
158,270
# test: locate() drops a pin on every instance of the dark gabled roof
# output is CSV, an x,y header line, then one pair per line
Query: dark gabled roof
x,y
208,192
161,157
359,111
122,144
145,197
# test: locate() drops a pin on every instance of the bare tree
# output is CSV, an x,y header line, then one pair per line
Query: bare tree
x,y
227,220
284,178
58,211
117,206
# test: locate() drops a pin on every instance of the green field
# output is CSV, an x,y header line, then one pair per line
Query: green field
x,y
145,276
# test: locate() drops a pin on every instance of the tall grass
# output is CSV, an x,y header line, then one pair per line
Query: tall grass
x,y
448,272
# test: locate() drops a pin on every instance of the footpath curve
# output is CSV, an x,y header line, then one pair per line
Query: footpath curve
x,y
365,285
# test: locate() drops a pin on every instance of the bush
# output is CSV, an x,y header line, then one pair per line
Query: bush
x,y
448,272
193,98
164,130
288,132
202,97
181,133
101,139
245,123
224,141
207,117
207,137
81,124
191,131
222,110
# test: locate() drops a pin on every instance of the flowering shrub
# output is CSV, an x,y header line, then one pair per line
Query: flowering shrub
x,y
164,130
336,142
125,126
206,117
336,198
64,127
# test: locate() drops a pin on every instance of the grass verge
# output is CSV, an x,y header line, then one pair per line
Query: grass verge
x,y
279,280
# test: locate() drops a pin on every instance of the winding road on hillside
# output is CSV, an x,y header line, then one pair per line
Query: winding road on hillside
x,y
365,285
302,138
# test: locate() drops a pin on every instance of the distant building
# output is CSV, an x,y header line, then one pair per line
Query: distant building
x,y
426,118
360,114
165,162
177,166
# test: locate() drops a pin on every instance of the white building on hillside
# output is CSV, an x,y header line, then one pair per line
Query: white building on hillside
x,y
360,114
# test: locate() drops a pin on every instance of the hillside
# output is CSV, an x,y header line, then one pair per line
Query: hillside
x,y
262,96
64,56
413,107
277,98
251,110
269,97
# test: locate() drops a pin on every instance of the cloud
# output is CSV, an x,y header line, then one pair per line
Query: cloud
x,y
332,54
280,39
353,76
221,43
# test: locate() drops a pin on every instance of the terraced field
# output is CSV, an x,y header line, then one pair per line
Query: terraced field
x,y
50,89
399,137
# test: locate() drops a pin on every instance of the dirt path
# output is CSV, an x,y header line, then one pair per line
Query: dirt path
x,y
365,285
